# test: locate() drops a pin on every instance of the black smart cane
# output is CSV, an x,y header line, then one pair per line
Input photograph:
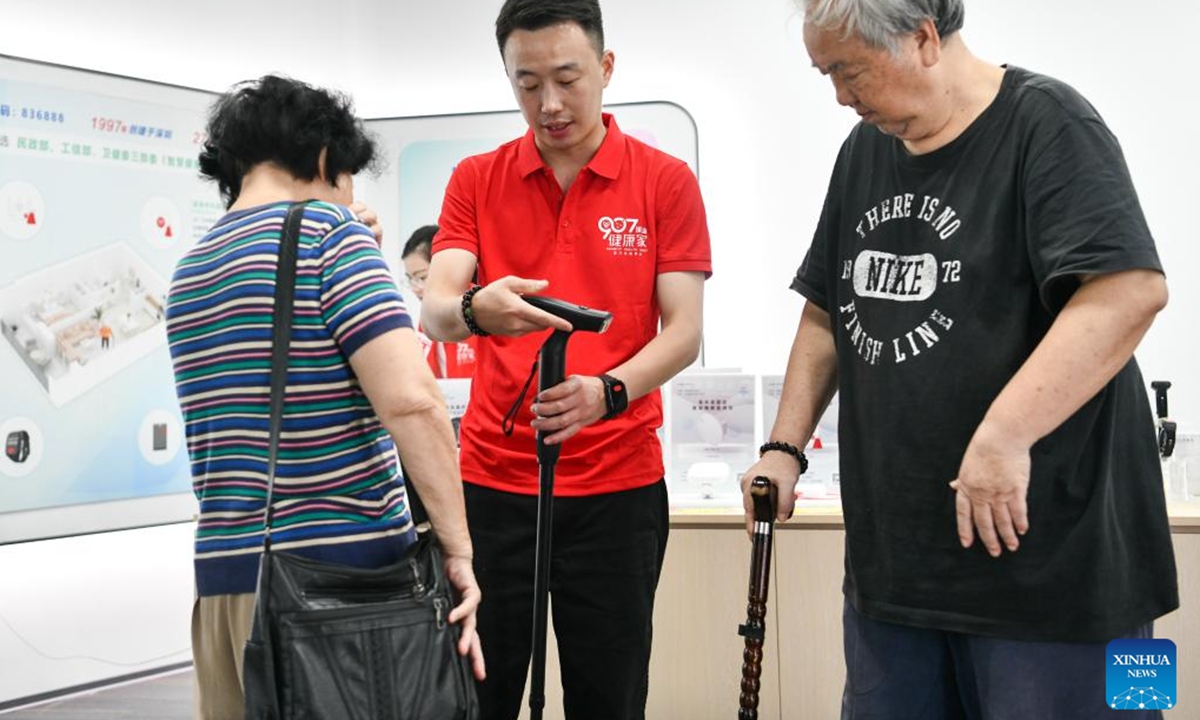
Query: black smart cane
x,y
552,364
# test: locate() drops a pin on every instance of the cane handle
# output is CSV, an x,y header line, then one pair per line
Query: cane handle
x,y
762,492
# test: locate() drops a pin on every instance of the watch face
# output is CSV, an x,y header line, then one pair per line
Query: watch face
x,y
622,397
616,399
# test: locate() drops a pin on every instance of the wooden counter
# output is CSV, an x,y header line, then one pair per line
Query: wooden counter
x,y
1184,517
695,669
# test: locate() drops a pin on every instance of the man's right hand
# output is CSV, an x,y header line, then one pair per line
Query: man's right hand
x,y
499,309
783,471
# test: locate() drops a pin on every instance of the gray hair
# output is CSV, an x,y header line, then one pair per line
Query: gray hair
x,y
881,22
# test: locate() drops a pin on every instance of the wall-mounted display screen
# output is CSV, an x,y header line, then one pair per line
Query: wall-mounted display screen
x,y
99,195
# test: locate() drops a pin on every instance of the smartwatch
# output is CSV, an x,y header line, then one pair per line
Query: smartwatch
x,y
616,397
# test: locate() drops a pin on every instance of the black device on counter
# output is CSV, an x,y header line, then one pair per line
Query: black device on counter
x,y
1166,428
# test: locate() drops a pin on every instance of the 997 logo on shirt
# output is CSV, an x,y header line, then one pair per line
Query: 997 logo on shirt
x,y
624,236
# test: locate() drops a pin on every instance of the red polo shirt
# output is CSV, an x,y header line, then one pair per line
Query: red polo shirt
x,y
633,212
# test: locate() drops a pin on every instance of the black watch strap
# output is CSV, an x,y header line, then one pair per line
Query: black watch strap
x,y
616,397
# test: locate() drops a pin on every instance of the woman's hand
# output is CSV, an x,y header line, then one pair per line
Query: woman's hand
x,y
462,577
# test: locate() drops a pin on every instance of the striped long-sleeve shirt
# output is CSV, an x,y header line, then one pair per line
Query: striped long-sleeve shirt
x,y
339,495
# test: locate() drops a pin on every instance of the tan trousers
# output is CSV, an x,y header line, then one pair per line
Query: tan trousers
x,y
220,627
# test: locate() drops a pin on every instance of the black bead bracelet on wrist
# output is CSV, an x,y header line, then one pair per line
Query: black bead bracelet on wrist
x,y
788,448
469,314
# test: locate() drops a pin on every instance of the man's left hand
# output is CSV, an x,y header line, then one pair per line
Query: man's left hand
x,y
991,488
568,407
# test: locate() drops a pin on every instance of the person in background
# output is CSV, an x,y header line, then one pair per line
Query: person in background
x,y
978,280
577,210
358,390
447,360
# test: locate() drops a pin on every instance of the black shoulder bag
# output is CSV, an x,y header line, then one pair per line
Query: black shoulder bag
x,y
338,642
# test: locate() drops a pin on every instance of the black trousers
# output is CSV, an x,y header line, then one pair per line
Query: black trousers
x,y
606,557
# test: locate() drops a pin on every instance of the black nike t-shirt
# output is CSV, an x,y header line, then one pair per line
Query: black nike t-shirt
x,y
941,273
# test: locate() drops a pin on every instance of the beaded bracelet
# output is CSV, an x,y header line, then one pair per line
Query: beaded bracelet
x,y
788,448
469,315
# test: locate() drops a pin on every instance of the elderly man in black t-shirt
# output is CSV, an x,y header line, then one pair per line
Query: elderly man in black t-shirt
x,y
976,286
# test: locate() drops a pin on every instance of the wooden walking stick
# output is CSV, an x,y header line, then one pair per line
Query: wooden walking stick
x,y
754,630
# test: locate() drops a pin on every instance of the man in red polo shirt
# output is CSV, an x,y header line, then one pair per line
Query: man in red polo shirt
x,y
575,210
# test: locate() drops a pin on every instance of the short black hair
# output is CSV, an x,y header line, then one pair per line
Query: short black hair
x,y
420,241
287,122
538,14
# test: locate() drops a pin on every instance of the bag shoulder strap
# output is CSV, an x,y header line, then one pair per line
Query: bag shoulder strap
x,y
281,341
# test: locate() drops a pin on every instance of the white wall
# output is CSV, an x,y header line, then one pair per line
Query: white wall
x,y
769,130
77,610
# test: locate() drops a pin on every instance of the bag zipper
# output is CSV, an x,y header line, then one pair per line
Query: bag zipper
x,y
439,609
386,610
352,593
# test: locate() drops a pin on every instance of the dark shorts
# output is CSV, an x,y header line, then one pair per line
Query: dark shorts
x,y
896,672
